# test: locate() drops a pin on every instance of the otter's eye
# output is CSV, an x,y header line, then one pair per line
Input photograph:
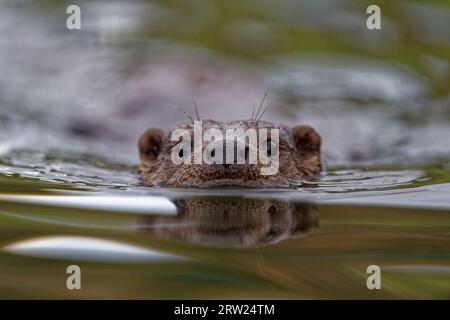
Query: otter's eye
x,y
269,148
272,148
272,209
181,153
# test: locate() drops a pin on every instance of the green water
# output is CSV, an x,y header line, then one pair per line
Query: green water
x,y
224,243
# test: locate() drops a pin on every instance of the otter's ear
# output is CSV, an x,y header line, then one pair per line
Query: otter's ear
x,y
150,144
306,139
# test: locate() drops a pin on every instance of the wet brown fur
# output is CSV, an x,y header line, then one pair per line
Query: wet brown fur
x,y
299,158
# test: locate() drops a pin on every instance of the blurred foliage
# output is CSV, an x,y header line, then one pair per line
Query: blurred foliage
x,y
413,32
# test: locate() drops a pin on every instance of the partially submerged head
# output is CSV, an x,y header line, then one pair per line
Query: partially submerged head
x,y
246,153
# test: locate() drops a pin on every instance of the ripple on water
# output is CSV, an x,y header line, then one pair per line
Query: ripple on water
x,y
99,175
355,180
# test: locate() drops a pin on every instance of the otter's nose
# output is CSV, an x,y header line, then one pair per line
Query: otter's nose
x,y
233,152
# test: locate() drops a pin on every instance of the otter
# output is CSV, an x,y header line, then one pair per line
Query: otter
x,y
299,158
233,222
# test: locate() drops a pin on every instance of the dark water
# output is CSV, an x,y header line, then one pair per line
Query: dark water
x,y
72,106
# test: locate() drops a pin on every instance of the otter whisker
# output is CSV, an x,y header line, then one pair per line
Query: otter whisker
x,y
268,106
264,99
196,111
253,112
183,111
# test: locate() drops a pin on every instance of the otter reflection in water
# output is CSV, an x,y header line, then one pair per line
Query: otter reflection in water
x,y
233,222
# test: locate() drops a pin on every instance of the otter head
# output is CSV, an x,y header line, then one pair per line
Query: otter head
x,y
209,153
